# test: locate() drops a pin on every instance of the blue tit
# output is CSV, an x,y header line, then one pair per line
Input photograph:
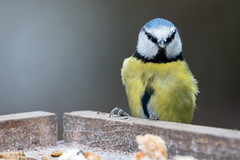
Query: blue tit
x,y
158,82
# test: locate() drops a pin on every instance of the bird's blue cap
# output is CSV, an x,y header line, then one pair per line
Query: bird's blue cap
x,y
157,22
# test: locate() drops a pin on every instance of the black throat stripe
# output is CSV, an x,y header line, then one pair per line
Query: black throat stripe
x,y
159,58
145,100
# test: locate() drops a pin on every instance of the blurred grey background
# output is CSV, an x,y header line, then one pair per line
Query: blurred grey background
x,y
62,56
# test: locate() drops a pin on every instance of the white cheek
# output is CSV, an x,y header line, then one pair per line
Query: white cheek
x,y
146,47
174,48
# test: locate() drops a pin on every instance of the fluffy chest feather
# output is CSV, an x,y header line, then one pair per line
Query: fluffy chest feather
x,y
172,85
163,73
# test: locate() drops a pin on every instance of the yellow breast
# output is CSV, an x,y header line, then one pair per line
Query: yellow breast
x,y
173,84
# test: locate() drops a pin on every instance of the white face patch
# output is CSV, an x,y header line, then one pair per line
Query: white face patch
x,y
174,48
149,50
146,47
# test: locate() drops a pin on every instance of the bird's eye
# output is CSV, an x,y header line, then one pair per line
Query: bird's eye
x,y
150,37
169,39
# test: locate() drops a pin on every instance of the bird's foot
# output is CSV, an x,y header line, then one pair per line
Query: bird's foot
x,y
154,116
119,112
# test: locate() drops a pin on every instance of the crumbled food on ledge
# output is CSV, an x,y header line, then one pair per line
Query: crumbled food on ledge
x,y
76,154
56,153
152,148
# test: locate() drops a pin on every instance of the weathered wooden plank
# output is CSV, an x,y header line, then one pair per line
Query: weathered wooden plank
x,y
98,130
25,130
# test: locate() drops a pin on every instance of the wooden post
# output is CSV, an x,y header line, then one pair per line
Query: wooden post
x,y
27,130
96,129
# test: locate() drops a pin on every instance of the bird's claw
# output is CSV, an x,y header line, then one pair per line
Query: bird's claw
x,y
119,112
154,116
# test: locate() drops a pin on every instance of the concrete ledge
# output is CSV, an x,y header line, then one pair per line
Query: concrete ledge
x,y
27,130
98,130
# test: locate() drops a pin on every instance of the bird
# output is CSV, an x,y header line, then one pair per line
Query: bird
x,y
158,82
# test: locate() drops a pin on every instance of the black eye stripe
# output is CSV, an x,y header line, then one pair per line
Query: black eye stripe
x,y
154,40
150,37
169,39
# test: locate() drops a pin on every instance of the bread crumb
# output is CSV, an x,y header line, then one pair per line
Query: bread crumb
x,y
73,154
152,147
46,157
